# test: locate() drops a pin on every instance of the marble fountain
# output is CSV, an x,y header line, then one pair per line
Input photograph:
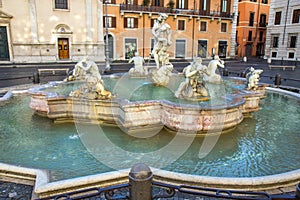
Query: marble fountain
x,y
191,128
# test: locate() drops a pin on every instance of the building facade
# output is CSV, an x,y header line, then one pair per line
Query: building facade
x,y
252,24
65,30
199,27
50,30
282,41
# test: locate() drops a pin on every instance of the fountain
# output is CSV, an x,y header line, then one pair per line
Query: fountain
x,y
155,117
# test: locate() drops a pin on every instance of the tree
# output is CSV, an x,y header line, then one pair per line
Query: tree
x,y
171,5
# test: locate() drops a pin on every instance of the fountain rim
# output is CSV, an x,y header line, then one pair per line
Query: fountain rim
x,y
42,184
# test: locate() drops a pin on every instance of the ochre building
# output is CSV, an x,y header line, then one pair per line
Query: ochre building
x,y
252,24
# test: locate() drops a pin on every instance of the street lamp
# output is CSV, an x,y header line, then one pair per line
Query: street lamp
x,y
107,64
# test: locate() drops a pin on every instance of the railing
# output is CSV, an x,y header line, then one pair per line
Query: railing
x,y
159,9
142,187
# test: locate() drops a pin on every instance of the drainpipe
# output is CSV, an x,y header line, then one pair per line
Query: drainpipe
x,y
286,15
193,38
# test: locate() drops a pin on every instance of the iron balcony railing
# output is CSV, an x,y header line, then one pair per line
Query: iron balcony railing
x,y
159,9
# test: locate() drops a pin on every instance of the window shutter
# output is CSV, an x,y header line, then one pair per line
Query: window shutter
x,y
136,23
135,2
125,22
228,6
186,4
104,22
152,23
177,3
114,22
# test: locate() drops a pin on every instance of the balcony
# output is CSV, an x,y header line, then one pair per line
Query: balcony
x,y
159,9
263,25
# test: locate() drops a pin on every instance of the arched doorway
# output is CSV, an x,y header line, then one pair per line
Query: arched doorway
x,y
110,45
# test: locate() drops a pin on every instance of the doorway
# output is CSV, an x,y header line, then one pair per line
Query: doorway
x,y
4,52
222,49
63,48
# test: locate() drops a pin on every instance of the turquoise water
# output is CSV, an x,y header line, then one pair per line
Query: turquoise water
x,y
265,144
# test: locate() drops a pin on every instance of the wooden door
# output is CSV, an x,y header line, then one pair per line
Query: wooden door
x,y
63,48
4,52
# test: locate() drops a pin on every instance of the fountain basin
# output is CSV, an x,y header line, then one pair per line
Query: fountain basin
x,y
143,115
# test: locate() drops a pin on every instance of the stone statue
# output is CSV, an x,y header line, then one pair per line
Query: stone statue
x,y
83,68
94,86
211,76
161,76
252,78
162,40
139,69
193,88
92,89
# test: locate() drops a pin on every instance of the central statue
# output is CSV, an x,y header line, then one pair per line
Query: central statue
x,y
162,41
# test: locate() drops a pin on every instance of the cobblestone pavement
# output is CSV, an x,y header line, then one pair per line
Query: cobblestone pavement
x,y
15,191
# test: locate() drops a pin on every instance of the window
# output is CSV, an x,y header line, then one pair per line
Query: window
x,y
61,4
157,3
275,40
277,18
111,22
224,5
291,55
110,1
250,36
180,49
251,19
223,27
130,22
253,0
292,40
131,2
274,54
202,48
181,25
203,26
204,4
296,16
238,19
264,1
130,47
182,4
263,20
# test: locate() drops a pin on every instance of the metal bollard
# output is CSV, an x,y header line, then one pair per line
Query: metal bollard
x,y
36,77
277,80
243,74
225,72
140,182
298,190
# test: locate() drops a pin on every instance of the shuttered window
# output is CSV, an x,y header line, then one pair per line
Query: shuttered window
x,y
111,22
130,22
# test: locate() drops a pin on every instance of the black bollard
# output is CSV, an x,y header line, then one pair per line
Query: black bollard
x,y
298,190
243,74
140,181
277,80
225,72
36,77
